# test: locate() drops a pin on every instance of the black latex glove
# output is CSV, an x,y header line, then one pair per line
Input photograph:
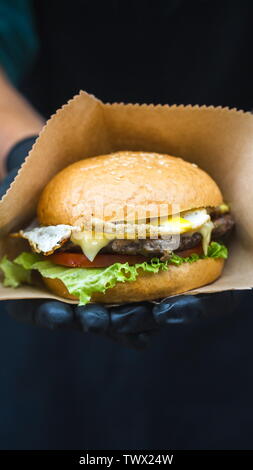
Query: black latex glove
x,y
131,324
14,160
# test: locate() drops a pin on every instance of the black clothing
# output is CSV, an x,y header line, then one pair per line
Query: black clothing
x,y
193,389
155,52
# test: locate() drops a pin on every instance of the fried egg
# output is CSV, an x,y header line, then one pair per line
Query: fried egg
x,y
48,239
184,222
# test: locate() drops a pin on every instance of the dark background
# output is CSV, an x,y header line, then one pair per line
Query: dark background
x,y
193,388
164,51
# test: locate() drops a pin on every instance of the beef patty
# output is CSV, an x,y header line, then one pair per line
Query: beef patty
x,y
162,247
223,225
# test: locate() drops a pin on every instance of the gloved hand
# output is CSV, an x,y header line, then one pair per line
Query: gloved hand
x,y
130,324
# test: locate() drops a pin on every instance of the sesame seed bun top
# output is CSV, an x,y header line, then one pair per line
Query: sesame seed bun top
x,y
125,179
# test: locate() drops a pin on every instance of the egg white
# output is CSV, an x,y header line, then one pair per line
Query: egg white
x,y
48,239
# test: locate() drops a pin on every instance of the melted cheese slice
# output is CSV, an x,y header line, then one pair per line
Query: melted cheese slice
x,y
89,244
92,243
206,232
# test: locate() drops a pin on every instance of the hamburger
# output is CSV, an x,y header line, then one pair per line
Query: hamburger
x,y
125,227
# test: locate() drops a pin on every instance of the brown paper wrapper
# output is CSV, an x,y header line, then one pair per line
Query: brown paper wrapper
x,y
219,140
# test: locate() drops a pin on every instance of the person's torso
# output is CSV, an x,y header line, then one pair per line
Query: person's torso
x,y
161,52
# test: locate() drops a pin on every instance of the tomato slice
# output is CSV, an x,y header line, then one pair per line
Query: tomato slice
x,y
78,260
198,250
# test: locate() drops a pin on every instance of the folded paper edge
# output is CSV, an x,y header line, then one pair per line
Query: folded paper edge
x,y
50,296
181,106
189,107
223,109
52,118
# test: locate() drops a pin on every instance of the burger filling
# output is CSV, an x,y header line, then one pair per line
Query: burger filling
x,y
152,238
160,247
87,264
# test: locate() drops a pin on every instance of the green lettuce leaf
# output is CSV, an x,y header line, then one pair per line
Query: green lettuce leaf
x,y
216,250
83,282
14,275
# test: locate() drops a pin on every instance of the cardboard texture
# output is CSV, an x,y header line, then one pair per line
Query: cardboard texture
x,y
219,140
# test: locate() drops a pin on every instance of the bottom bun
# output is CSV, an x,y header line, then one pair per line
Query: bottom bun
x,y
149,286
